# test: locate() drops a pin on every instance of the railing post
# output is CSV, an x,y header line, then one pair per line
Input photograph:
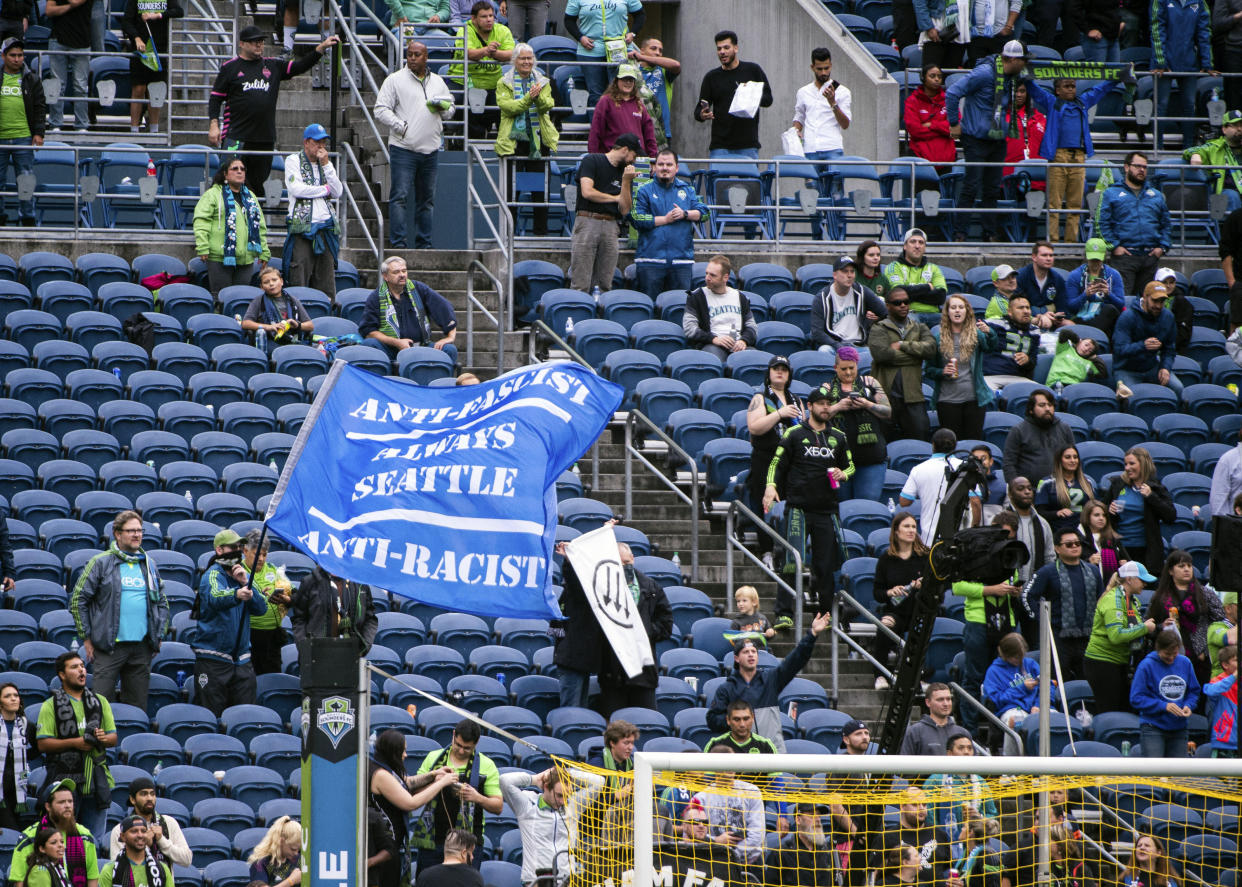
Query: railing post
x,y
629,467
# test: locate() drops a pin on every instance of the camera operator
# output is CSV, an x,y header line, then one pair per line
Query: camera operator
x,y
222,670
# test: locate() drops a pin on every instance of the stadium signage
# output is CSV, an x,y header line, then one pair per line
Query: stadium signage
x,y
664,877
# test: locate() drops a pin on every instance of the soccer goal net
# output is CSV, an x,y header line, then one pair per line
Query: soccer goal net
x,y
708,820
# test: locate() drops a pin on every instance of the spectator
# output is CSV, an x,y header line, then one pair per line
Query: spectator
x,y
731,133
1227,480
772,412
748,618
1116,631
804,858
1011,686
230,231
478,783
617,689
1094,292
1164,693
275,859
1149,865
327,606
1076,361
960,394
488,46
822,110
1179,304
923,281
1145,343
71,34
277,312
1223,691
604,199
414,103
1004,287
541,822
135,852
222,671
42,857
1138,504
144,22
718,318
1227,25
1181,40
1223,632
899,572
929,481
1134,221
987,38
1099,30
927,124
994,487
1101,544
399,313
1060,496
1027,125
1033,530
902,866
8,569
17,742
869,268
458,868
249,86
1073,587
1067,141
1182,603
602,45
120,613
1230,253
313,237
659,71
1222,153
971,104
858,407
460,10
526,133
620,110
164,836
843,312
528,19
741,736
616,757
954,814
930,734
1043,284
943,32
665,213
899,346
29,129
812,462
1017,338
15,18
761,687
734,811
75,731
419,11
1030,445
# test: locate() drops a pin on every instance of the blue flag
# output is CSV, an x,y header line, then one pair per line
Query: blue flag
x,y
443,495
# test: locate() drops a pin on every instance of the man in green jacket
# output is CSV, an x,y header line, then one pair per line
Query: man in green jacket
x,y
899,345
1224,632
488,47
923,281
1224,153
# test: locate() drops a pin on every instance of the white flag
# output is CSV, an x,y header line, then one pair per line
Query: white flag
x,y
597,564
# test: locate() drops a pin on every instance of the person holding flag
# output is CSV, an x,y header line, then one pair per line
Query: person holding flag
x,y
146,23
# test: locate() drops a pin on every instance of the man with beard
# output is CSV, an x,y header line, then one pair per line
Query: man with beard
x,y
1145,342
913,828
665,213
1134,221
163,834
1019,338
75,729
1035,533
81,861
1226,154
136,864
1030,444
805,858
858,823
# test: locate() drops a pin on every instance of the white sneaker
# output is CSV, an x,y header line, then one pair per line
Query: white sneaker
x,y
881,682
768,562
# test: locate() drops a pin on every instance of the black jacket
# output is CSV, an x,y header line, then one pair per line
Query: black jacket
x,y
1158,509
1097,15
315,599
801,464
866,301
8,566
16,10
697,325
35,101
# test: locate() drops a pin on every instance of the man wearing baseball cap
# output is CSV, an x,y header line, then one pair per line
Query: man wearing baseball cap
x,y
81,858
1145,342
1094,292
314,237
1014,361
1224,632
25,118
164,836
223,675
1225,153
843,311
923,281
978,109
135,865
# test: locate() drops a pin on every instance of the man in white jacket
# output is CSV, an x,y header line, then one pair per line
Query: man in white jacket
x,y
734,811
541,821
413,103
313,236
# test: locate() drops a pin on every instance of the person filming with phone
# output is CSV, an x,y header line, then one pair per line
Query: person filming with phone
x,y
1094,292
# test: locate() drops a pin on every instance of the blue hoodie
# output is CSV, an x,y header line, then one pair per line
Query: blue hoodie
x,y
1133,328
1076,290
1135,221
1181,35
666,242
1005,685
976,93
1157,684
223,621
1057,111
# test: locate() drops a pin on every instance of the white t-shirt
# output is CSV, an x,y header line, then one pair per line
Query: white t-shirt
x,y
928,483
845,317
820,130
724,312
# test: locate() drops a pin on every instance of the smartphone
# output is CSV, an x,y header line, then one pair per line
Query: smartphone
x,y
855,395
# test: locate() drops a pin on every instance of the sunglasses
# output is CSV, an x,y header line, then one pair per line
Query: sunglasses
x,y
899,302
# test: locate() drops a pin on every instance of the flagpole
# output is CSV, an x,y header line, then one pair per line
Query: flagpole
x,y
299,443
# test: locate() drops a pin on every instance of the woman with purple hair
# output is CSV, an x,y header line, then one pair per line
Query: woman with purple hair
x,y
859,409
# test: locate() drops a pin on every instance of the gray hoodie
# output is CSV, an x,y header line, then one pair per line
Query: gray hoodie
x,y
927,737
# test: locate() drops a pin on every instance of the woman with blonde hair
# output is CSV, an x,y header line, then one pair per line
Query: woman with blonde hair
x,y
1137,505
1060,496
960,394
1149,865
276,859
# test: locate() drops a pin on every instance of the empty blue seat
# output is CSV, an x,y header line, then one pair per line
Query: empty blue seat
x,y
181,359
494,660
61,415
185,301
93,448
583,514
186,418
61,536
208,331
238,360
193,537
34,386
423,365
228,816
158,448
28,327
65,476
278,752
215,751
90,328
186,783
38,266
218,449
274,390
93,387
249,480
751,365
147,750
1209,402
59,357
37,658
691,430
125,357
215,388
661,338
593,339
154,388
572,724
99,508
460,631
37,506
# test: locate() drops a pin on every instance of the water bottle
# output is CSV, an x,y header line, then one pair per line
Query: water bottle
x,y
180,677
1083,717
189,499
500,676
260,339
237,317
159,765
150,463
892,506
371,741
272,465
596,293
116,371
1060,387
576,470
569,326
1125,748
73,648
676,560
569,85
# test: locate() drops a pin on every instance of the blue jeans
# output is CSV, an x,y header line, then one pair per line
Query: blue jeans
x,y
575,685
413,175
752,153
1157,743
79,63
23,161
817,228
99,25
597,77
867,483
1133,378
654,278
1100,50
1186,87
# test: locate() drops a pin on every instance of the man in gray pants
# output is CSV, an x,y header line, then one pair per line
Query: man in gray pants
x,y
604,199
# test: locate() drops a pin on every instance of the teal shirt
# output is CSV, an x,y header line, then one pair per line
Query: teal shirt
x,y
133,623
1130,521
602,20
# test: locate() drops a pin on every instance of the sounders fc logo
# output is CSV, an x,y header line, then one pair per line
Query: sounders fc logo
x,y
336,717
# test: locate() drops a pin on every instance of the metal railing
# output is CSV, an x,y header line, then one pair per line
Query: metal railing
x,y
540,328
497,320
633,453
734,541
349,201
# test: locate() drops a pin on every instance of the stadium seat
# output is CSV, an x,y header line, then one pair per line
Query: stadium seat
x,y
708,634
1204,457
28,327
689,604
37,506
538,693
35,658
436,661
122,299
99,508
31,563
1116,727
1150,400
146,751
1188,488
903,455
557,306
16,413
187,784
61,536
215,751
193,537
946,642
181,359
525,635
37,266
299,360
91,328
252,785
186,418
423,364
226,873
498,661
626,307
154,388
658,337
592,339
572,724
765,278
436,724
1120,429
270,811
218,449
401,690
1209,402
671,305
274,390
183,476
58,357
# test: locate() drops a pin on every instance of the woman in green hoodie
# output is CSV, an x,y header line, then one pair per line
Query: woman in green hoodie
x,y
230,232
1075,360
1115,632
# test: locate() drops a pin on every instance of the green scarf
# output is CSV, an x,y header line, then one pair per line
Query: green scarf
x,y
1003,87
299,221
386,310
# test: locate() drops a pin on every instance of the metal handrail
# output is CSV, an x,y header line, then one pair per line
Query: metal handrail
x,y
986,712
633,418
347,152
733,541
498,319
503,213
541,328
350,38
